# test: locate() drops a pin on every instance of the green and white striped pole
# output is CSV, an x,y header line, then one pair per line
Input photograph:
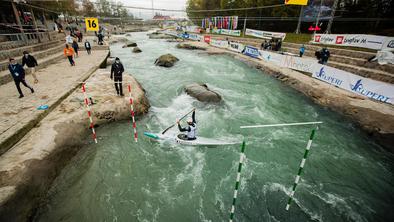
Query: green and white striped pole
x,y
241,160
297,179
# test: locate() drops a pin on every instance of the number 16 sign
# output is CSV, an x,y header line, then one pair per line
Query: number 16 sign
x,y
91,24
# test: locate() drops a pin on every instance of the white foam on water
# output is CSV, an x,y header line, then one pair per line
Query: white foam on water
x,y
193,170
340,204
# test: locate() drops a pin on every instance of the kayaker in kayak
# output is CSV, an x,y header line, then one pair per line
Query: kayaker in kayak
x,y
191,129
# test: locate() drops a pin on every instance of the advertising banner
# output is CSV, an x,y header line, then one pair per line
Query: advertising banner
x,y
359,40
219,43
373,89
215,31
207,39
194,29
195,37
288,61
230,32
237,47
264,34
251,51
271,57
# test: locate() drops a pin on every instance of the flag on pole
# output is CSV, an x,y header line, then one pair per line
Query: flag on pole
x,y
296,2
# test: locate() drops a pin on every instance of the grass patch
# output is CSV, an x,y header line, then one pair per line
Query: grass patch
x,y
298,38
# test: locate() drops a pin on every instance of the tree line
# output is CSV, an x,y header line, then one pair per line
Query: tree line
x,y
103,8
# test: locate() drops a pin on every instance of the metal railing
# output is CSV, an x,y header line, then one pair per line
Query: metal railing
x,y
26,38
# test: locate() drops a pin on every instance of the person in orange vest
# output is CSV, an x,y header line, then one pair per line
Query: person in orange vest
x,y
69,53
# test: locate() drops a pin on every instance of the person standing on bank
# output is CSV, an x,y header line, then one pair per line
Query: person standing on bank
x,y
75,47
31,63
302,50
69,53
18,74
88,47
116,73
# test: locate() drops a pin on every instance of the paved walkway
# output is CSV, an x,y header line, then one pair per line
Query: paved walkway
x,y
18,116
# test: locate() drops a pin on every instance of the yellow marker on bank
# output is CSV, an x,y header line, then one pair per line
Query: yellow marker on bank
x,y
92,24
296,2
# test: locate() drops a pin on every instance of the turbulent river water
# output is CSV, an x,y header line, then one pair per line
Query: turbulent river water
x,y
347,177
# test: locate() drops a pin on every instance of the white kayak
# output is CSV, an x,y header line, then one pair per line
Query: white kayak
x,y
182,139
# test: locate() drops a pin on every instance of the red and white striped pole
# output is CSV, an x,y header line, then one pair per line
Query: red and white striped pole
x,y
89,112
132,114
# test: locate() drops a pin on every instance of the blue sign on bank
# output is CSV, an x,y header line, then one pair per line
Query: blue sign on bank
x,y
251,51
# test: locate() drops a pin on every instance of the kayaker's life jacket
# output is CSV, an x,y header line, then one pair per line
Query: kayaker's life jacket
x,y
192,133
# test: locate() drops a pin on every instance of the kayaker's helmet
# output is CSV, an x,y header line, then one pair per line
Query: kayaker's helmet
x,y
189,120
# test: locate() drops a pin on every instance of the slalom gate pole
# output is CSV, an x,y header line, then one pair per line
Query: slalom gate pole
x,y
297,179
241,160
281,124
89,113
132,114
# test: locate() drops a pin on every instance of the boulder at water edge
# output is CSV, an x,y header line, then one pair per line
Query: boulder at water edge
x,y
117,39
137,50
190,46
129,44
110,61
156,35
202,93
166,60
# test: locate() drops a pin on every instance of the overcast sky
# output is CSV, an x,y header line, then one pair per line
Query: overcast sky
x,y
164,4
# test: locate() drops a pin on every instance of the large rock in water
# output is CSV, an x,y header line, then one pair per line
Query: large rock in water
x,y
202,93
166,60
129,44
137,50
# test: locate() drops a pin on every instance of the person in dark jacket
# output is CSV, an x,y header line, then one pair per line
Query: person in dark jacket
x,y
324,55
75,47
191,129
88,47
116,74
18,74
31,63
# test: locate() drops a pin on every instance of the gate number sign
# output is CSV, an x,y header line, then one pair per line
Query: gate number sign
x,y
91,24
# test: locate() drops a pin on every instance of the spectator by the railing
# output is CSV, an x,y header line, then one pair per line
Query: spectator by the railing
x,y
76,48
88,47
69,53
18,74
79,35
100,36
302,50
323,55
278,45
69,38
31,63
